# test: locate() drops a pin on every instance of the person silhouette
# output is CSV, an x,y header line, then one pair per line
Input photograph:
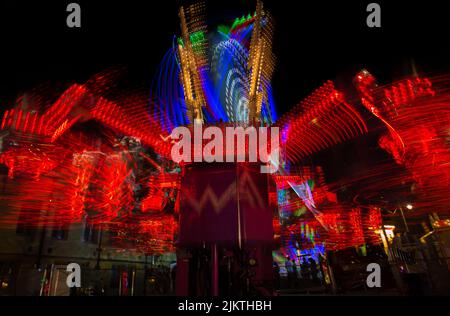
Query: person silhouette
x,y
290,272
313,269
294,273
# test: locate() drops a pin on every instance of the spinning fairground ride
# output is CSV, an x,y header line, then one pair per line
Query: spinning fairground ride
x,y
100,154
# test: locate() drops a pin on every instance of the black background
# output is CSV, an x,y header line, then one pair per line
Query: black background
x,y
314,41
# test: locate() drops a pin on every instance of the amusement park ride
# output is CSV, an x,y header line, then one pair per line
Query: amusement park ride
x,y
63,169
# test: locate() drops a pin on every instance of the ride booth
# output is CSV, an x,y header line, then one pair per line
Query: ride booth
x,y
226,239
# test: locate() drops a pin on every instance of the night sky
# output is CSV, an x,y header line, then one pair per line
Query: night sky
x,y
313,41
